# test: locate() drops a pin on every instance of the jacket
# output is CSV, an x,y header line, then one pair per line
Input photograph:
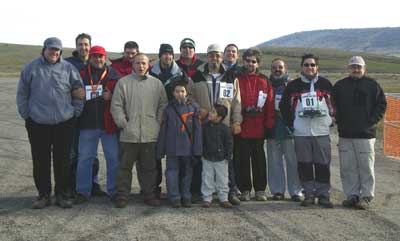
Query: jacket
x,y
137,106
121,66
44,91
96,112
360,104
189,70
76,61
200,90
291,107
165,76
217,142
174,138
250,86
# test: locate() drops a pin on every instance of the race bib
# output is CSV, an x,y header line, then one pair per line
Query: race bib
x,y
309,100
91,95
262,97
225,90
277,101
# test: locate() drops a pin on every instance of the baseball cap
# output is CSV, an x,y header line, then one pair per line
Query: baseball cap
x,y
53,42
188,42
214,48
97,50
356,60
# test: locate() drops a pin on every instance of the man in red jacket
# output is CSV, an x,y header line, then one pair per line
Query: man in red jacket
x,y
123,65
258,113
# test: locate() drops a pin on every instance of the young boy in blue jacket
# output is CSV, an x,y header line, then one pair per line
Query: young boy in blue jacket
x,y
180,141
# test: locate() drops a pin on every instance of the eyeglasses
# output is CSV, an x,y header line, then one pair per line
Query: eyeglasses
x,y
277,67
251,61
309,65
187,47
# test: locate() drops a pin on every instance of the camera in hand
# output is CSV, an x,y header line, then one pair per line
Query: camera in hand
x,y
312,113
252,111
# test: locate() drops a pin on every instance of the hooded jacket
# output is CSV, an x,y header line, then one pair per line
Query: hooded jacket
x,y
165,75
121,66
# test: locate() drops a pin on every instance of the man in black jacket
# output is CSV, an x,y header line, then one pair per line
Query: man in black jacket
x,y
360,104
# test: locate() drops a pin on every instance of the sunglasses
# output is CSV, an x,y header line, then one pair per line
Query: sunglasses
x,y
309,65
250,61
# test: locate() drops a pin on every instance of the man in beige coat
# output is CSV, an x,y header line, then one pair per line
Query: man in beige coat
x,y
137,105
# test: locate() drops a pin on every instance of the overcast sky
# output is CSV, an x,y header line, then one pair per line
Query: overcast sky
x,y
246,23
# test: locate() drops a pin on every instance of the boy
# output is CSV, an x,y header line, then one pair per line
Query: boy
x,y
180,140
218,147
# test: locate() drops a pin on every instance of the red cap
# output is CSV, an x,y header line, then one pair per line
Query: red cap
x,y
97,50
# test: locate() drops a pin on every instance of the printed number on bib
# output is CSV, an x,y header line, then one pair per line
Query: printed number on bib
x,y
277,101
225,90
90,94
309,100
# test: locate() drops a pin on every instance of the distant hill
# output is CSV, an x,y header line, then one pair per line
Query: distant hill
x,y
373,40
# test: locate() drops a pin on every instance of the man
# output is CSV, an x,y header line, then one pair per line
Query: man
x,y
44,100
231,57
188,61
137,106
258,114
212,84
306,108
96,123
123,65
360,104
79,59
280,144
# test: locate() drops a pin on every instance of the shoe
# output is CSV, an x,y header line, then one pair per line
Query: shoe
x,y
325,202
261,196
364,204
245,196
154,202
234,200
196,197
308,201
176,203
63,202
296,198
206,204
80,198
278,197
96,190
350,202
41,202
226,204
120,201
186,203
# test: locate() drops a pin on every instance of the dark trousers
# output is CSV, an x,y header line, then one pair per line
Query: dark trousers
x,y
196,178
47,141
233,166
251,151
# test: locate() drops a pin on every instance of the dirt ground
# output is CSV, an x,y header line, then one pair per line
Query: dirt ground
x,y
99,220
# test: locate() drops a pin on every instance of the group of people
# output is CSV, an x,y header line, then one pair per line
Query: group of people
x,y
210,120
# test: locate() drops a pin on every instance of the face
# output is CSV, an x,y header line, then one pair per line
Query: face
x,y
309,67
52,55
97,60
179,92
251,64
278,68
141,65
357,71
231,55
213,116
83,47
129,54
166,59
187,52
214,59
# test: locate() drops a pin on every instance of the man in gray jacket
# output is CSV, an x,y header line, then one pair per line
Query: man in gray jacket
x,y
44,99
137,105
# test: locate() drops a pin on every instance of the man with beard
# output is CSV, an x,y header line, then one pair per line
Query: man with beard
x,y
280,144
188,62
306,109
360,104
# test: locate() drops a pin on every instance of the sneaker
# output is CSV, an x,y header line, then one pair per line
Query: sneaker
x,y
364,204
234,200
206,204
296,198
41,202
63,202
176,203
261,196
80,198
154,202
325,202
96,190
226,204
350,202
186,203
120,201
308,201
245,196
278,197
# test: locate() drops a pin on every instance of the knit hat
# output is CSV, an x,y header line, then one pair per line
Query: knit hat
x,y
188,42
97,50
53,42
165,48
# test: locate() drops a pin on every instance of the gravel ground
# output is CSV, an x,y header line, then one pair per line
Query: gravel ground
x,y
99,220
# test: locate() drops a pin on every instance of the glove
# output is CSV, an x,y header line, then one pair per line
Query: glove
x,y
236,128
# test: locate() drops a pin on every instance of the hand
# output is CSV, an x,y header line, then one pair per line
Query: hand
x,y
107,95
203,113
236,128
78,94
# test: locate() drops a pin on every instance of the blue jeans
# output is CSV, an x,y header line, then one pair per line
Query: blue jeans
x,y
178,184
215,178
88,143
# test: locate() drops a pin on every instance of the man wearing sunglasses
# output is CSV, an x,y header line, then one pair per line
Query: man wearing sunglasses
x,y
306,109
188,61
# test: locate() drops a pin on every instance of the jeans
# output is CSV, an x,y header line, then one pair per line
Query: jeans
x,y
215,178
178,184
88,143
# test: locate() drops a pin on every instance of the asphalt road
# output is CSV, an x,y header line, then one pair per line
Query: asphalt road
x,y
99,220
